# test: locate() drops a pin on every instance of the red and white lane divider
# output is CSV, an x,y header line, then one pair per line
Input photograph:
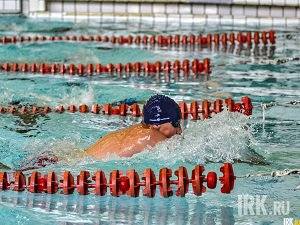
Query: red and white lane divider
x,y
186,66
134,110
160,40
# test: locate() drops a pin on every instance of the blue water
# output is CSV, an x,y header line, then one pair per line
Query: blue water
x,y
260,144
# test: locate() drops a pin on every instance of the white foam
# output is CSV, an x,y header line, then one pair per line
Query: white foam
x,y
225,137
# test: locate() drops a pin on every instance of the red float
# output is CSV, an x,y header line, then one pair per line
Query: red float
x,y
62,69
217,39
135,110
15,67
36,184
123,109
224,39
137,40
164,182
145,40
124,184
107,109
137,67
182,182
184,40
206,109
84,109
249,38
264,38
119,68
184,110
80,69
6,67
218,106
4,181
206,65
272,37
150,183
129,39
12,109
52,182
194,110
227,179
47,109
67,183
230,104
176,66
211,180
186,66
167,67
209,39
197,180
134,186
100,183
256,37
53,68
177,39
83,182
90,69
24,68
195,66
152,40
232,38
95,108
158,66
72,69
114,181
110,68
128,68
19,181
59,109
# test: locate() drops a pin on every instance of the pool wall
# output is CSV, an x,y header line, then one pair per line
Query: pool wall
x,y
232,12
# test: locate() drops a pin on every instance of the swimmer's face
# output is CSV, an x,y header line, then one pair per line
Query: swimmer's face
x,y
168,130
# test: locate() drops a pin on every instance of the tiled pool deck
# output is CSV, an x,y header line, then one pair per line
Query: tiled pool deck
x,y
241,12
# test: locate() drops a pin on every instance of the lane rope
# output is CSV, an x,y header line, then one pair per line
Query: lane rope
x,y
120,184
185,66
205,109
161,40
275,173
129,183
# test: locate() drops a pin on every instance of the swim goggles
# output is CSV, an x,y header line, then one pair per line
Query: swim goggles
x,y
176,124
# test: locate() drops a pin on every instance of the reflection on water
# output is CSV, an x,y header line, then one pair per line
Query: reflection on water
x,y
61,209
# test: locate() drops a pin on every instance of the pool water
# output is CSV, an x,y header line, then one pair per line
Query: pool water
x,y
267,141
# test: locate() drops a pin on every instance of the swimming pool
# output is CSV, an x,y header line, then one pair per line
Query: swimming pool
x,y
264,146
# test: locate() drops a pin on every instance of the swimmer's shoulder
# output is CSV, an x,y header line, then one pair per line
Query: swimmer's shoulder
x,y
141,130
113,141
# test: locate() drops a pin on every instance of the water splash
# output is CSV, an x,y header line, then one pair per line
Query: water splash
x,y
224,138
66,151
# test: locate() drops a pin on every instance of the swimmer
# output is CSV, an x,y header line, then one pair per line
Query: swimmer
x,y
162,118
161,121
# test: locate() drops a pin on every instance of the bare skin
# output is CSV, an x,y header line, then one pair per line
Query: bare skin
x,y
129,141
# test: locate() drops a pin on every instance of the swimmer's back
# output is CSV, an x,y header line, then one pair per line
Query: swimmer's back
x,y
126,142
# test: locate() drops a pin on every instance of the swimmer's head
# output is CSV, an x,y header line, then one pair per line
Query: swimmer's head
x,y
163,114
